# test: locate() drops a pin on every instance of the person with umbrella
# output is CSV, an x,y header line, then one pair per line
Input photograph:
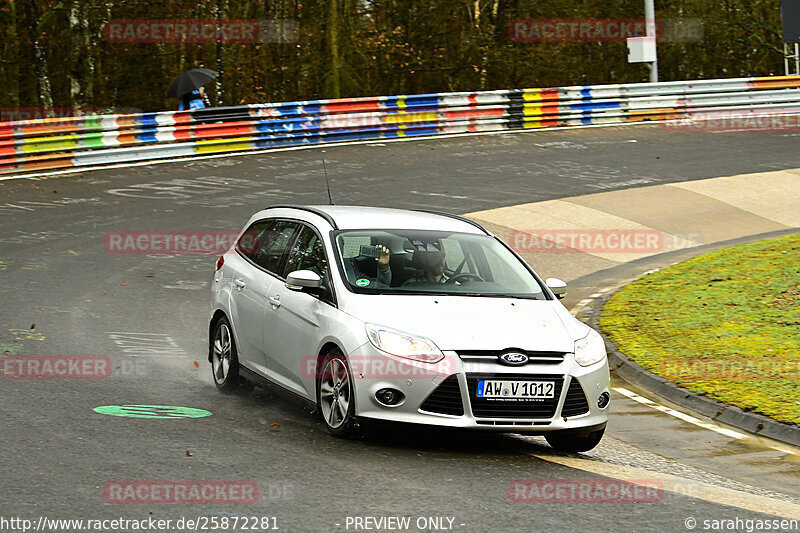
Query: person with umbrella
x,y
188,88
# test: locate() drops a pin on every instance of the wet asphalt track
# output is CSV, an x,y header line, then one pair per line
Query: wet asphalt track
x,y
63,294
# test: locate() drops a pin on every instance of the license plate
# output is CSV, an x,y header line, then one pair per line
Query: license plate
x,y
529,390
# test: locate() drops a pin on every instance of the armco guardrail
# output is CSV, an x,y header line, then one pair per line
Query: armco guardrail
x,y
41,144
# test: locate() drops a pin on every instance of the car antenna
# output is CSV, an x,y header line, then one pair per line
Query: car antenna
x,y
327,184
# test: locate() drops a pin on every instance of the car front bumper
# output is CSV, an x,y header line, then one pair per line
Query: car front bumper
x,y
444,393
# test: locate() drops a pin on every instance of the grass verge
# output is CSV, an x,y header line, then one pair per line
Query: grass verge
x,y
725,325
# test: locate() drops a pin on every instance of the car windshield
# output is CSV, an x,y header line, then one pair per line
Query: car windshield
x,y
432,262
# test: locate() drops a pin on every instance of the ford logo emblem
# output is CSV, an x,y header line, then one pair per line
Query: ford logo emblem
x,y
513,358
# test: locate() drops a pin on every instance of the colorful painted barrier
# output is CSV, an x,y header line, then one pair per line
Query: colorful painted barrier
x,y
88,141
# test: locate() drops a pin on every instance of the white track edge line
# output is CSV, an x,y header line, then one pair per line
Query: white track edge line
x,y
692,420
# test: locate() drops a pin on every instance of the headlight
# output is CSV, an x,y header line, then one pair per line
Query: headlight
x,y
403,344
590,350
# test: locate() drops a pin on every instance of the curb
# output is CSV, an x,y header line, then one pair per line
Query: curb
x,y
753,423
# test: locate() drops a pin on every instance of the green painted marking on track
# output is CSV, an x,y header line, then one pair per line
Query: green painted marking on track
x,y
151,411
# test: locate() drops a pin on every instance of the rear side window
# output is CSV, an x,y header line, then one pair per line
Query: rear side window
x,y
272,249
248,242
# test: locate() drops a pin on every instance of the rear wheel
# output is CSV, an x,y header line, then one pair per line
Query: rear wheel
x,y
335,399
569,440
225,360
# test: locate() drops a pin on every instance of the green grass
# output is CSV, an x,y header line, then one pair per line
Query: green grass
x,y
725,325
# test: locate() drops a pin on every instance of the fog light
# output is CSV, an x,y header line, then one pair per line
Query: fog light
x,y
603,400
389,396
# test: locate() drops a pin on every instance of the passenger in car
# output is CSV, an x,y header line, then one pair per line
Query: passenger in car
x,y
383,274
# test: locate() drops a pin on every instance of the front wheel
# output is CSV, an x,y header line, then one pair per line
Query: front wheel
x,y
335,399
569,440
225,359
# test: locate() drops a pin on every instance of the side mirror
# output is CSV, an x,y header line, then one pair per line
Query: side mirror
x,y
303,279
558,287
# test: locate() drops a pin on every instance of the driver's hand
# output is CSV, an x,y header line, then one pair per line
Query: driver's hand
x,y
383,260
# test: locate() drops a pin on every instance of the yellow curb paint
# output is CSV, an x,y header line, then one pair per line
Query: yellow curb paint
x,y
678,485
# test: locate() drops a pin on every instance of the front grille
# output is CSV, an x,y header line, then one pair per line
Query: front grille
x,y
446,399
491,408
536,357
575,403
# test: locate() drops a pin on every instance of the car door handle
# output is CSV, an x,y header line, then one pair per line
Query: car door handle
x,y
275,300
239,283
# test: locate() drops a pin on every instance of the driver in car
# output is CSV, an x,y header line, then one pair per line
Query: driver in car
x,y
432,263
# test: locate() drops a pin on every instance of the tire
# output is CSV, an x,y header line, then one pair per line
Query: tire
x,y
225,360
335,398
574,440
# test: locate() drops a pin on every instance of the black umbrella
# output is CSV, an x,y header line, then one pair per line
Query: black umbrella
x,y
191,80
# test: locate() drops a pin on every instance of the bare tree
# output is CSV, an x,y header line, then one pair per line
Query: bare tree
x,y
40,65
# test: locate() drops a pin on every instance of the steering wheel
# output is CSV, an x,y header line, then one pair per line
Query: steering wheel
x,y
463,278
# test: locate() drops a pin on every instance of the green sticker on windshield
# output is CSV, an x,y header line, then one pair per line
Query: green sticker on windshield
x,y
362,282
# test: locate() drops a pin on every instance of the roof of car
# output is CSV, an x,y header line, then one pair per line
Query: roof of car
x,y
361,217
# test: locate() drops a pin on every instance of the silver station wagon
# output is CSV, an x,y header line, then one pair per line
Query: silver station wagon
x,y
404,316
